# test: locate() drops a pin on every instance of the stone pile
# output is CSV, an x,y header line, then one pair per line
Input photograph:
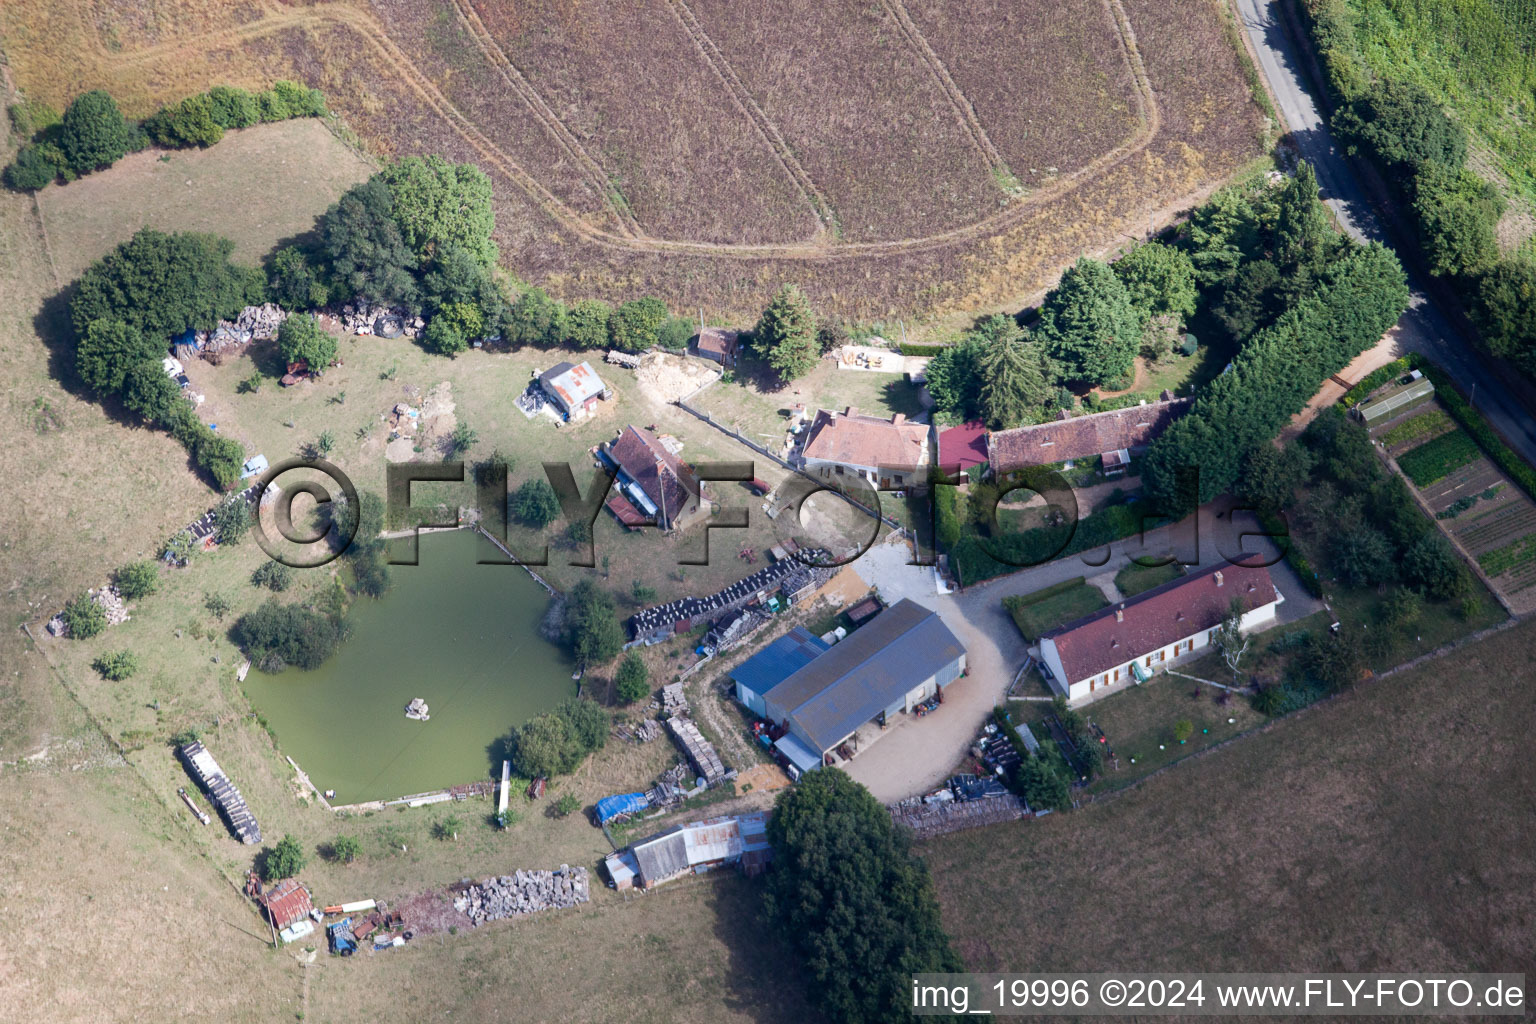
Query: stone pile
x,y
524,892
112,603
673,700
261,321
647,730
361,317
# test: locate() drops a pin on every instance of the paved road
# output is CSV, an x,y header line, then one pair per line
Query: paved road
x,y
1424,327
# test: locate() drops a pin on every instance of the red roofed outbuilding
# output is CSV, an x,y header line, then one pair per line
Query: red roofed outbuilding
x,y
962,447
1130,640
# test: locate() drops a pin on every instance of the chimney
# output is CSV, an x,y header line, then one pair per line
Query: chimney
x,y
899,418
1120,614
1220,580
850,410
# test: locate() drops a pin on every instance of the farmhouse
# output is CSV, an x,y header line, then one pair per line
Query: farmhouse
x,y
901,659
1129,641
718,344
654,486
697,846
887,453
1113,436
574,389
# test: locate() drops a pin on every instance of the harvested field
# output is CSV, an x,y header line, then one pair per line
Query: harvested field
x,y
631,86
590,174
825,72
1354,837
1002,54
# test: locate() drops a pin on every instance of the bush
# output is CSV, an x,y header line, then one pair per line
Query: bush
x,y
634,325
231,520
302,339
35,167
292,282
284,860
1431,564
632,680
586,324
296,635
535,319
93,133
443,337
84,618
190,123
275,576
222,457
674,334
535,503
567,805
592,630
232,107
555,743
345,849
137,579
116,665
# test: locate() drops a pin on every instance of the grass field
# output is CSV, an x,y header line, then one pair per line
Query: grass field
x,y
1477,57
1133,579
668,147
1383,831
1046,609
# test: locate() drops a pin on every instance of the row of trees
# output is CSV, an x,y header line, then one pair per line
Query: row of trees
x,y
126,307
92,133
1354,294
1407,134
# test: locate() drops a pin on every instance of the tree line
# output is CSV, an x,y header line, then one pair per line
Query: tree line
x,y
1421,152
92,133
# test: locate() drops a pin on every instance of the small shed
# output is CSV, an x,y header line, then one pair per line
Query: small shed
x,y
573,388
864,611
287,903
1396,401
718,344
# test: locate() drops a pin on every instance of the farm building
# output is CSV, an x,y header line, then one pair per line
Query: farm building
x,y
773,664
1129,641
902,658
574,389
654,485
221,791
1112,436
697,846
288,907
1394,402
718,344
886,452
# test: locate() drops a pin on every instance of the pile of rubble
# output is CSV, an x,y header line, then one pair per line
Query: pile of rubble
x,y
647,730
111,603
261,322
361,317
524,892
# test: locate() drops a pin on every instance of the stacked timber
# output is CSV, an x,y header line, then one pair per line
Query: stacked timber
x,y
221,791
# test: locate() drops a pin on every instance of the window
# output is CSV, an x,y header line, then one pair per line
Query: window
x,y
839,470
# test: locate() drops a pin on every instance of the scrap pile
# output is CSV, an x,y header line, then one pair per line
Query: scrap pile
x,y
654,625
524,892
940,816
259,323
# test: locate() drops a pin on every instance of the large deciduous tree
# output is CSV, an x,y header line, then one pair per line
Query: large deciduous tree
x,y
109,349
849,894
1159,280
1089,324
366,250
94,133
439,205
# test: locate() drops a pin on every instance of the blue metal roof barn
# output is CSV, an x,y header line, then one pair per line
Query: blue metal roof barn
x,y
774,664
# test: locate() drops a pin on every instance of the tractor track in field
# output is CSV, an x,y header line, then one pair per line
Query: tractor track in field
x,y
336,14
530,96
962,104
744,101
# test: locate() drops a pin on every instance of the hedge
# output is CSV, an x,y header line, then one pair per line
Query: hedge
x,y
1293,557
1473,423
913,349
1375,379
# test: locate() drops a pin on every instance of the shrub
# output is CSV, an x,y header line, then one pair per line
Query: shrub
x,y
345,849
586,324
137,579
84,618
284,860
535,319
567,805
632,680
674,334
592,630
117,665
302,339
633,326
535,503
232,107
35,167
443,337
190,123
93,133
275,576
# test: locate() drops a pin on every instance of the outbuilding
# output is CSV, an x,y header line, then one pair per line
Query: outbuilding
x,y
574,389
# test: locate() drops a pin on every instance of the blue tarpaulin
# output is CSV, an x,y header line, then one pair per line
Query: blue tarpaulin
x,y
624,803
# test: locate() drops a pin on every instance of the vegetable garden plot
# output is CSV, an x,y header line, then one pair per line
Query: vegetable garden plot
x,y
1434,459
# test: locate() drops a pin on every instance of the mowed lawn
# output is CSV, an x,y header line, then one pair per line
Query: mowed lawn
x,y
1389,829
1046,609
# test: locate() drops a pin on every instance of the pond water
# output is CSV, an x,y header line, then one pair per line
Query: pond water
x,y
461,636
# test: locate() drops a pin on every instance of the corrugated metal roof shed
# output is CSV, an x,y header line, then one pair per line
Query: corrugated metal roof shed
x,y
800,755
662,856
862,676
779,660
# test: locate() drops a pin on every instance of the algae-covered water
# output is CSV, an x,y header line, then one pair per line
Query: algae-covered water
x,y
464,637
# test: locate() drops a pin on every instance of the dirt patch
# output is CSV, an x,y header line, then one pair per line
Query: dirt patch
x,y
428,913
762,778
666,378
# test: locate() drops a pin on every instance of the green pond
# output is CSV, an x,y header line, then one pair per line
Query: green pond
x,y
461,636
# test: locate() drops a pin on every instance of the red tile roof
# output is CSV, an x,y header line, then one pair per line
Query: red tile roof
x,y
1082,437
963,447
669,484
855,440
286,902
1157,618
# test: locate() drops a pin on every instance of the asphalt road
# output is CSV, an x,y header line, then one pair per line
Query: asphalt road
x,y
1424,328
